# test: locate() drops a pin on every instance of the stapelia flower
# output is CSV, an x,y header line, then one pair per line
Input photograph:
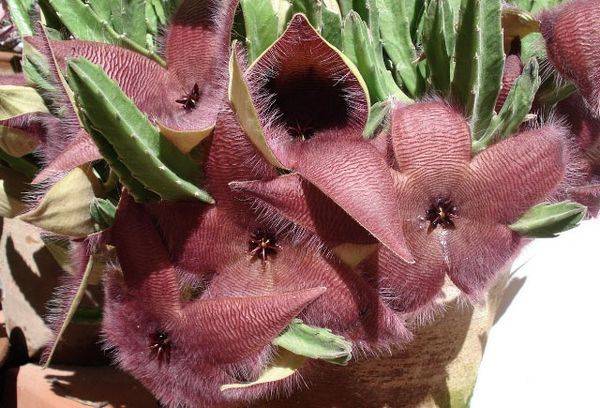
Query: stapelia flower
x,y
184,349
457,207
572,38
313,109
222,253
188,93
183,98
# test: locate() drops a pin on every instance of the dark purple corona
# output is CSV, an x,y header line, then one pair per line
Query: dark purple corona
x,y
442,212
263,245
190,100
160,347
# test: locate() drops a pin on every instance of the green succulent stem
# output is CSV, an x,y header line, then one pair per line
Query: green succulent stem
x,y
515,109
85,23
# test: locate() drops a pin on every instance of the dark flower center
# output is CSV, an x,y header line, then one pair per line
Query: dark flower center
x,y
442,212
160,347
263,245
307,102
190,100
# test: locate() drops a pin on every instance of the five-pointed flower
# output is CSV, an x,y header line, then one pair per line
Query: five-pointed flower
x,y
183,98
184,349
457,208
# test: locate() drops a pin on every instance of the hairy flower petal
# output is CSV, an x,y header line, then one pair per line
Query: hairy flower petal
x,y
584,127
144,261
64,127
79,151
34,124
409,287
231,329
476,252
197,51
196,236
512,69
198,41
508,178
303,204
146,82
432,144
349,306
352,173
232,157
572,37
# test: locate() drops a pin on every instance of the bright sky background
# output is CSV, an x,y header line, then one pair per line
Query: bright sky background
x,y
545,350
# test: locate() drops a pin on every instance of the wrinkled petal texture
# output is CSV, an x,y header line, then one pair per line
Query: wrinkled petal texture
x,y
476,252
143,80
348,307
303,204
483,194
79,151
197,51
198,40
232,157
313,109
510,177
585,128
432,144
145,302
352,173
572,35
144,260
215,249
62,130
409,287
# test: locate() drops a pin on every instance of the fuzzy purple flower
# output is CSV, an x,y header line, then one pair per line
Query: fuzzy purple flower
x,y
184,349
313,110
456,207
183,98
572,36
228,253
585,130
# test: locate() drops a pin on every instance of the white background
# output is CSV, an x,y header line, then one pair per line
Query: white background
x,y
545,350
